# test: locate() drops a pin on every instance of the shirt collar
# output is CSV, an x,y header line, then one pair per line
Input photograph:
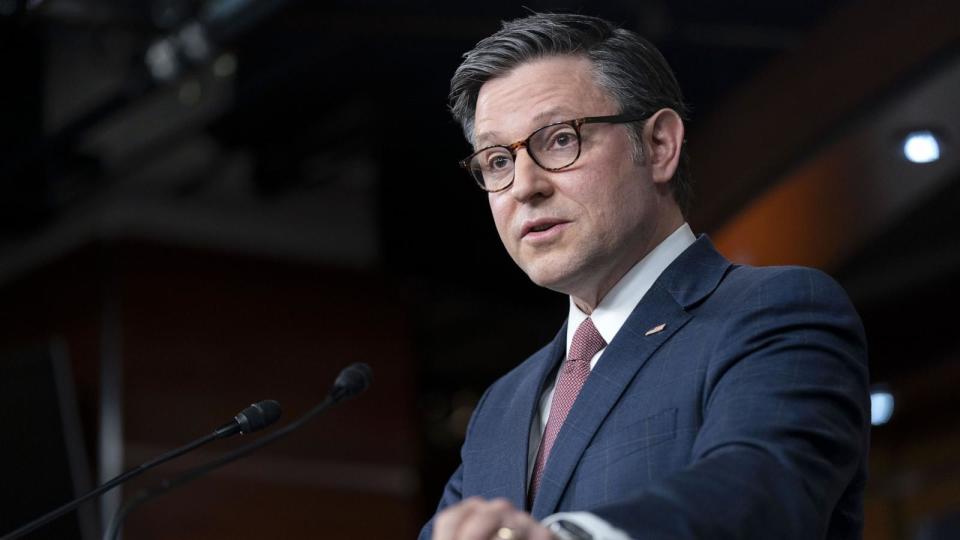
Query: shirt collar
x,y
617,305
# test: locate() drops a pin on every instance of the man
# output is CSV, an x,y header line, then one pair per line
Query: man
x,y
685,397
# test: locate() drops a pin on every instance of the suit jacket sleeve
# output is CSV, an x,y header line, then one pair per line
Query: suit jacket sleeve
x,y
452,492
785,422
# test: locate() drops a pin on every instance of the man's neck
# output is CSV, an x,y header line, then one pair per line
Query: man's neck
x,y
589,301
624,297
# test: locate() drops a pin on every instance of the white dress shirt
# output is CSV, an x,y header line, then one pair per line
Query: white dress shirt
x,y
608,317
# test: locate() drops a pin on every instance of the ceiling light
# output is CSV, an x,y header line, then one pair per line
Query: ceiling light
x,y
921,147
881,407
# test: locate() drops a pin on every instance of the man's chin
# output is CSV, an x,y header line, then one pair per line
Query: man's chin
x,y
555,279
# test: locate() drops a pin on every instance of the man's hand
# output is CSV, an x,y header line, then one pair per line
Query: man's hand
x,y
480,519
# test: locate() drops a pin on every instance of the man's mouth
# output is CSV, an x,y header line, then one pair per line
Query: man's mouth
x,y
539,226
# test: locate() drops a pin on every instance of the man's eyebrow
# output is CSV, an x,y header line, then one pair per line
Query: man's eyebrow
x,y
481,140
555,113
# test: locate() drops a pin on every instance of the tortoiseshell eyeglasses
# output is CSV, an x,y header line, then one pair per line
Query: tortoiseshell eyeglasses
x,y
552,147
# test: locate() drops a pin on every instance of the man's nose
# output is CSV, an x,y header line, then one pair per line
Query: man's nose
x,y
529,179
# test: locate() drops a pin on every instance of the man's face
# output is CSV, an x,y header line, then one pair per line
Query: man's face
x,y
577,230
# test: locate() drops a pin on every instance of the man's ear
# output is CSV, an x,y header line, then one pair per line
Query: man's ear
x,y
664,137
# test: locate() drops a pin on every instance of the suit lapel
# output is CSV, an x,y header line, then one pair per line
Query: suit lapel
x,y
621,360
690,278
527,399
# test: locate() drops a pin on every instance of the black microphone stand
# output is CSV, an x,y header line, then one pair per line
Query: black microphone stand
x,y
352,380
241,424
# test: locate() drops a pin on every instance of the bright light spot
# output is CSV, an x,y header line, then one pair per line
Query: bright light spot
x,y
881,407
921,147
225,65
193,41
161,58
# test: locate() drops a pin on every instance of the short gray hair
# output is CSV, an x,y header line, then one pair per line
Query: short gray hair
x,y
627,66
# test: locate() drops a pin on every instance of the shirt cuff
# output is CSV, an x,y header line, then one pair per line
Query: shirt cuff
x,y
597,527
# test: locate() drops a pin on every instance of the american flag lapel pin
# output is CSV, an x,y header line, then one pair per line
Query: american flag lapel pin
x,y
655,329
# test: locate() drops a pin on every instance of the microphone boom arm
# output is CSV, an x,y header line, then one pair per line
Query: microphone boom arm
x,y
353,380
254,417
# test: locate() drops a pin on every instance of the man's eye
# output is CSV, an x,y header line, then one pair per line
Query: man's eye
x,y
562,139
498,162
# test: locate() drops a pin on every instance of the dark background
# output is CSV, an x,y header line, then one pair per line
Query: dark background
x,y
285,199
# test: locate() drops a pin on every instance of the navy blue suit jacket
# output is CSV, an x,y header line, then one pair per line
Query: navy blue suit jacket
x,y
747,416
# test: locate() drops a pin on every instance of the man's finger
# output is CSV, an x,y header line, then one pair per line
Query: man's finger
x,y
447,522
482,524
526,528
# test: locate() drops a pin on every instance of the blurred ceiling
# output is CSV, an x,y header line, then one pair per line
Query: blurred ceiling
x,y
319,132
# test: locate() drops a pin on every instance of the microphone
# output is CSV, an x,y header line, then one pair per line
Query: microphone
x,y
353,380
255,417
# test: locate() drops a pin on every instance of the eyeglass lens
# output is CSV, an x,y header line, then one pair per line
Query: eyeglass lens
x,y
551,147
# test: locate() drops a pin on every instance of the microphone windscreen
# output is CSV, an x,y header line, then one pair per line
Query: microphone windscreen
x,y
354,379
258,416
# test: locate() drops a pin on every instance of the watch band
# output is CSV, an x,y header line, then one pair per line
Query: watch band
x,y
568,530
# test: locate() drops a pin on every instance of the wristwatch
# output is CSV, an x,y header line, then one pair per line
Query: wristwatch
x,y
568,530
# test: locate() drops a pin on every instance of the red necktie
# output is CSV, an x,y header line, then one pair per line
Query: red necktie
x,y
586,342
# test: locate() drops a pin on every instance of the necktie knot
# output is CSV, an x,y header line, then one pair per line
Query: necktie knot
x,y
586,342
